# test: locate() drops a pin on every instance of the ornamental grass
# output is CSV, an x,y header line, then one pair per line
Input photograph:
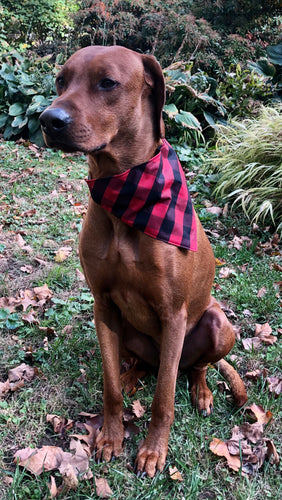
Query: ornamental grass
x,y
249,164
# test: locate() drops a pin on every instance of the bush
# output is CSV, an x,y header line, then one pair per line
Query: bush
x,y
32,21
26,89
191,106
243,91
249,164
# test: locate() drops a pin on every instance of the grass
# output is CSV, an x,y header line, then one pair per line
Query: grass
x,y
249,164
52,183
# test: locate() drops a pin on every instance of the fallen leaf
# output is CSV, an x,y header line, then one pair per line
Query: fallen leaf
x,y
275,385
38,459
219,262
175,474
22,371
80,276
254,375
53,487
272,454
130,428
251,343
238,242
30,318
138,409
103,489
227,272
262,291
62,254
4,388
220,448
60,424
263,332
27,269
257,412
43,292
214,210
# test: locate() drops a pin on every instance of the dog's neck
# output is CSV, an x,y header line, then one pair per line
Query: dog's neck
x,y
115,161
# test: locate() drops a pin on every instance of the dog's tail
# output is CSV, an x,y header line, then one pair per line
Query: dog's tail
x,y
236,383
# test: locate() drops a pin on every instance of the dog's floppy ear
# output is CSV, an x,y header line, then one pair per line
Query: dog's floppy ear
x,y
155,79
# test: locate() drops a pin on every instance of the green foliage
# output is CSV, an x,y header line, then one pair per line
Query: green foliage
x,y
26,89
249,161
191,106
271,68
30,21
243,91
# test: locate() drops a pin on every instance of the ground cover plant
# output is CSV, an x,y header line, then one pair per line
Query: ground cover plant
x,y
46,329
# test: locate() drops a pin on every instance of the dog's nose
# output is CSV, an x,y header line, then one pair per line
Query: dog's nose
x,y
54,120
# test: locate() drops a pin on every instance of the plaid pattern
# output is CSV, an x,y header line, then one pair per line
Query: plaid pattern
x,y
153,197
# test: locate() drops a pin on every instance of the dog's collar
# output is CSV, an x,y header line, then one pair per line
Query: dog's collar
x,y
152,197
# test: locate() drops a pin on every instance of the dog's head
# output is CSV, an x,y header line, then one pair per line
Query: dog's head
x,y
108,97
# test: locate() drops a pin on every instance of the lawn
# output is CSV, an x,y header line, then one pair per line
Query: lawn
x,y
42,202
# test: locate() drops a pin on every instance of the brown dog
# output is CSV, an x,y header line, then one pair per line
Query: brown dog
x,y
152,299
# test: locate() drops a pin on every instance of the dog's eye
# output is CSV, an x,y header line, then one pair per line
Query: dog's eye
x,y
107,84
60,82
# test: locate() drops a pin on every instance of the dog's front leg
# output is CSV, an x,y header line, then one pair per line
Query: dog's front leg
x,y
152,453
109,440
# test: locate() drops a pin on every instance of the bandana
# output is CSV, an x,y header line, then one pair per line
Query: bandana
x,y
152,197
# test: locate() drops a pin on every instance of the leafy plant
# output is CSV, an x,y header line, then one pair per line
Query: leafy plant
x,y
243,91
249,161
271,68
26,89
191,103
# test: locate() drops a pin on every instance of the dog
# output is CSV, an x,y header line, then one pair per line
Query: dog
x,y
146,258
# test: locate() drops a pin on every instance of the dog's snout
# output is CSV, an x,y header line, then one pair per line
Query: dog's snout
x,y
54,120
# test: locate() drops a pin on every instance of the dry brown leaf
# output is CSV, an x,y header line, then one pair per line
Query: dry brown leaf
x,y
15,386
62,254
263,332
227,272
60,424
262,291
80,276
214,210
272,454
103,489
238,242
76,464
38,459
220,448
254,375
27,298
257,412
251,343
219,262
252,432
130,428
175,474
53,487
22,371
4,388
27,269
138,409
43,292
30,318
275,385
22,244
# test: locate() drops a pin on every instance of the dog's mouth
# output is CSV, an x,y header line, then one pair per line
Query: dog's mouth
x,y
70,147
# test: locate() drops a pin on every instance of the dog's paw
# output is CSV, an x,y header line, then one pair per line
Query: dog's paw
x,y
149,461
202,399
108,446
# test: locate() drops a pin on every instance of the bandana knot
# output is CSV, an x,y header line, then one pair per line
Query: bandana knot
x,y
152,197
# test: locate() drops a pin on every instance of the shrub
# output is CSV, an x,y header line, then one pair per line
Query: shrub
x,y
191,107
249,164
26,89
243,91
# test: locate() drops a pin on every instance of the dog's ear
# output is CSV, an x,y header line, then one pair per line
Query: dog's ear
x,y
155,79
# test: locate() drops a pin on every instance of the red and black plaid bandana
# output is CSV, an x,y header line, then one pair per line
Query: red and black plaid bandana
x,y
153,197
